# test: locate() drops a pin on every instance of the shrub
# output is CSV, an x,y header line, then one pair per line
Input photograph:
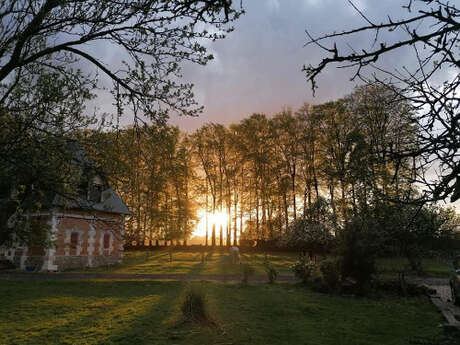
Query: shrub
x,y
330,269
303,268
359,246
318,283
247,270
272,273
310,235
194,306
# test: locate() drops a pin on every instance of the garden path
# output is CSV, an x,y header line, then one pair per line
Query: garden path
x,y
442,299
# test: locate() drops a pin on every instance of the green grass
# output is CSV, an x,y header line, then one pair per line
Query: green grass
x,y
432,267
187,262
143,312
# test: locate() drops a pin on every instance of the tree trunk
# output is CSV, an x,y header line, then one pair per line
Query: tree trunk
x,y
294,206
220,236
229,224
257,216
235,203
206,214
264,219
286,214
213,240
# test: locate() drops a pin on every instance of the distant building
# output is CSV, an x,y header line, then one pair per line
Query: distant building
x,y
84,232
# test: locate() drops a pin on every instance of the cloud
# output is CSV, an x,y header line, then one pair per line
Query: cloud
x,y
273,5
313,3
257,68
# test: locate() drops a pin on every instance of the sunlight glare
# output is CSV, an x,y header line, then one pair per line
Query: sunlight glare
x,y
217,218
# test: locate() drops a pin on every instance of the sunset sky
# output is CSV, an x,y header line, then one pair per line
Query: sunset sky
x,y
257,68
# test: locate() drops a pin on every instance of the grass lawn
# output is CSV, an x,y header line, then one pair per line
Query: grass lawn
x,y
143,312
189,262
432,267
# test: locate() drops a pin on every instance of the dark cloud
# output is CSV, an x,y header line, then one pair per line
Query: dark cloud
x,y
257,68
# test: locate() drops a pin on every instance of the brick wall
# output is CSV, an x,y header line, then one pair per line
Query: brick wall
x,y
88,239
80,238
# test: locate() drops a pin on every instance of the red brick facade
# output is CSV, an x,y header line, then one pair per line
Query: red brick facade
x,y
79,239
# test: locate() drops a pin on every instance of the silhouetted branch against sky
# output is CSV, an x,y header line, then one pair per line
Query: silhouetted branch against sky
x,y
153,38
430,30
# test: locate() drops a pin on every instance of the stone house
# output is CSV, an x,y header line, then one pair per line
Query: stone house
x,y
85,232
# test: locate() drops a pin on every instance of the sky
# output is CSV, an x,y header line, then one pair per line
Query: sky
x,y
257,68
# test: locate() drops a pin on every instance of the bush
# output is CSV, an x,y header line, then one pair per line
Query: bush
x,y
194,307
330,269
272,273
247,270
359,246
303,268
313,234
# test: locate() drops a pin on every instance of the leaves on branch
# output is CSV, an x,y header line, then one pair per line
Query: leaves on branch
x,y
430,85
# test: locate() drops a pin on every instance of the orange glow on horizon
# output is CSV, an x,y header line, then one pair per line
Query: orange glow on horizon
x,y
217,218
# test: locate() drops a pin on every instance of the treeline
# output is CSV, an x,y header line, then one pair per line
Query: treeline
x,y
264,173
151,168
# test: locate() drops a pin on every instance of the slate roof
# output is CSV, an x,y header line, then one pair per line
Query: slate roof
x,y
112,203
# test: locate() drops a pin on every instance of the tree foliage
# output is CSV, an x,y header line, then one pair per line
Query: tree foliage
x,y
53,61
151,169
153,37
296,177
428,31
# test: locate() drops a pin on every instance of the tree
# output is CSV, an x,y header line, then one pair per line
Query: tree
x,y
151,169
430,29
205,152
385,122
309,153
152,36
45,44
286,129
337,125
35,163
414,231
312,234
255,146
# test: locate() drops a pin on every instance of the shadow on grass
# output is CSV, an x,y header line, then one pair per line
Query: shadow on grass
x,y
92,312
142,313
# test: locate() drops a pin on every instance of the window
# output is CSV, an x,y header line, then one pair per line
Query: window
x,y
95,189
106,241
95,193
73,240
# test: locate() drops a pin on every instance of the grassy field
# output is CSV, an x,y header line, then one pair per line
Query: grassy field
x,y
189,262
432,267
103,312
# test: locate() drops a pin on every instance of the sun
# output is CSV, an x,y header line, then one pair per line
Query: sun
x,y
217,218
